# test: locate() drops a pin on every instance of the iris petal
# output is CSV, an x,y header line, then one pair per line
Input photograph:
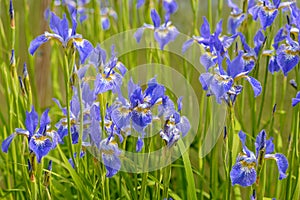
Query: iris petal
x,y
6,143
256,86
242,175
36,43
84,48
41,146
155,18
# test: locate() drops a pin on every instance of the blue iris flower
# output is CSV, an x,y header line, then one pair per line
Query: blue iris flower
x,y
287,54
214,44
78,5
163,33
266,11
65,36
296,100
41,140
174,123
235,19
244,171
137,111
222,84
107,78
91,118
111,156
105,14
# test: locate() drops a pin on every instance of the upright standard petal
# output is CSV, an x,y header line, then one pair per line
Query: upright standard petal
x,y
155,18
31,121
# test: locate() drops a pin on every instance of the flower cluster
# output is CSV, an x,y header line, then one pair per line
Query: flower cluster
x,y
247,167
163,33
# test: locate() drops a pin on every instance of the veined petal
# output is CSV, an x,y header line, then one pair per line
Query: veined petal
x,y
84,47
40,145
36,43
273,65
287,59
267,17
141,118
242,175
256,86
6,143
121,117
282,163
208,60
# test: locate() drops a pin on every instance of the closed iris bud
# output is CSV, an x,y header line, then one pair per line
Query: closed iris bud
x,y
11,14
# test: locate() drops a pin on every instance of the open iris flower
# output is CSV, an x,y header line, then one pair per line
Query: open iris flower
x,y
68,38
91,117
107,78
247,167
110,156
214,44
296,100
222,84
110,126
174,123
235,19
266,11
105,14
41,140
287,54
137,111
163,33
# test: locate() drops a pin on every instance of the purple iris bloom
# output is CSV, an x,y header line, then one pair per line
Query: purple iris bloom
x,y
287,54
296,100
163,33
235,19
215,44
65,36
107,78
244,171
78,5
111,156
106,13
91,118
223,84
175,126
138,109
266,11
41,140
